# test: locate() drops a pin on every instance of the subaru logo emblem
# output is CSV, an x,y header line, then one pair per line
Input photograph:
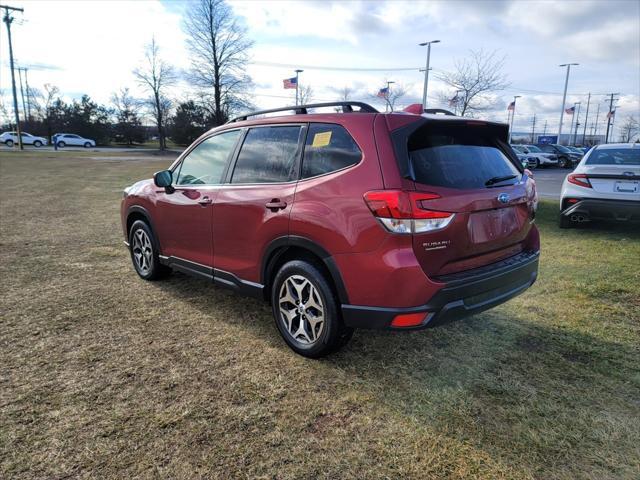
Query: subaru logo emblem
x,y
503,198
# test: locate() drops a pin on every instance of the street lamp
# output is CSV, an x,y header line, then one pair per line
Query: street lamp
x,y
426,72
298,72
564,98
513,114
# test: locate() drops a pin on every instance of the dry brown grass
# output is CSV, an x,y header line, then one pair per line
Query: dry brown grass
x,y
106,376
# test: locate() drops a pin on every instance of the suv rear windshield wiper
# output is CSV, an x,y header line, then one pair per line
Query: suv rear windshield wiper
x,y
495,180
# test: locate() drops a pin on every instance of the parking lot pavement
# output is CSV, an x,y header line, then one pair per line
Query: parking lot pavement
x,y
549,181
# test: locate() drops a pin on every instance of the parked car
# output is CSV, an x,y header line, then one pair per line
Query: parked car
x,y
577,151
11,138
604,186
527,161
71,139
343,220
566,158
543,159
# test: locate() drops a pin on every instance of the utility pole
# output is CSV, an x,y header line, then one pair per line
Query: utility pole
x,y
545,128
24,105
595,131
513,114
564,99
575,134
426,72
573,117
8,19
606,137
298,72
586,119
533,128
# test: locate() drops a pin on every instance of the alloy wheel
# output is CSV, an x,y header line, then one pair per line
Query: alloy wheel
x,y
301,310
142,251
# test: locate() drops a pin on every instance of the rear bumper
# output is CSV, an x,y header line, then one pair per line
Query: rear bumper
x,y
463,294
594,209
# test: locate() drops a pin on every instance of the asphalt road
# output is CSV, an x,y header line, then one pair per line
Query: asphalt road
x,y
549,181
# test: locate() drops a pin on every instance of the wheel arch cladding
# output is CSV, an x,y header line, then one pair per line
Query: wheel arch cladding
x,y
284,249
140,213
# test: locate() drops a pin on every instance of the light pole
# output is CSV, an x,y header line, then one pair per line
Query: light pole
x,y
298,72
573,117
564,98
513,114
575,135
389,82
426,72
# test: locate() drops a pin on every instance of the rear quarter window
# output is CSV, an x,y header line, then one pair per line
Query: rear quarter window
x,y
328,148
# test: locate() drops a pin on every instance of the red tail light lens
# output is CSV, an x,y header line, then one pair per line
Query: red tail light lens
x,y
579,179
404,212
409,319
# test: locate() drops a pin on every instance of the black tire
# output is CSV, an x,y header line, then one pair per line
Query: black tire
x,y
61,144
37,144
154,269
332,335
537,165
9,143
87,144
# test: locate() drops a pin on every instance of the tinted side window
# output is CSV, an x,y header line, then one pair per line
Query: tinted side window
x,y
328,148
205,164
268,155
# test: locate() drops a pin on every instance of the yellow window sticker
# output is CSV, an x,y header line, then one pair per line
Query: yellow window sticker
x,y
321,139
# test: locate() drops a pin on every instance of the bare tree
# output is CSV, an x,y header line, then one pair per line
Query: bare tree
x,y
629,129
475,78
219,50
346,93
395,93
156,76
305,94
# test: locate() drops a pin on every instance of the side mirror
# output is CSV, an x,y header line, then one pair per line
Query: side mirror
x,y
163,179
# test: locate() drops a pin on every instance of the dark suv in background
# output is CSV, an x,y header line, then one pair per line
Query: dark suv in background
x,y
566,157
346,220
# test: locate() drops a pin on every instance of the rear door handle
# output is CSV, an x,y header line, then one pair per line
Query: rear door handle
x,y
276,204
204,201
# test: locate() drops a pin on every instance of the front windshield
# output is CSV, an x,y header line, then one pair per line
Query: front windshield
x,y
533,148
563,149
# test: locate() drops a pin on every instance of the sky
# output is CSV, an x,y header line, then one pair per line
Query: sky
x,y
93,46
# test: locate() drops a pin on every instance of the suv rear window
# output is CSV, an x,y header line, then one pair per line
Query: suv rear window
x,y
459,156
614,156
328,148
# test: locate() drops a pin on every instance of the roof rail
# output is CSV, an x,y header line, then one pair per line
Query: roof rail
x,y
347,107
439,110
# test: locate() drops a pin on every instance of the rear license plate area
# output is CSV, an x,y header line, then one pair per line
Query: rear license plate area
x,y
491,225
627,186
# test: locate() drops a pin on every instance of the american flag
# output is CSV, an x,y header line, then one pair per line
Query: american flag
x,y
512,106
290,82
384,92
611,114
569,111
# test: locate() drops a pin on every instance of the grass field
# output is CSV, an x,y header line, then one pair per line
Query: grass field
x,y
103,375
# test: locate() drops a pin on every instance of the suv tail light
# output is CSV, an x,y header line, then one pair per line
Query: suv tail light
x,y
403,212
579,179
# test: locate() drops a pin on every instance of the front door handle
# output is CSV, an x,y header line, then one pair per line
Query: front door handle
x,y
276,204
204,201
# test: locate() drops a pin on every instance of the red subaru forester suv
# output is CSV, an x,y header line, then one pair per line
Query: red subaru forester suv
x,y
346,219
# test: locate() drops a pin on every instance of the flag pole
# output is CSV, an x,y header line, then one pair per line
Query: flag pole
x,y
297,74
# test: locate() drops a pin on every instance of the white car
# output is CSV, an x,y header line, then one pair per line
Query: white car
x,y
11,138
604,186
543,159
71,139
